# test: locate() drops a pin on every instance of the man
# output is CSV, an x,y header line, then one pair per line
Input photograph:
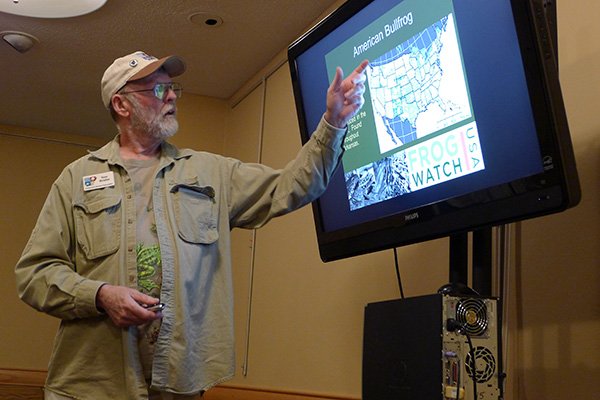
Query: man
x,y
140,220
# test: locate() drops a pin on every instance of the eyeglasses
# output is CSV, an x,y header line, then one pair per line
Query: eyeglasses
x,y
160,90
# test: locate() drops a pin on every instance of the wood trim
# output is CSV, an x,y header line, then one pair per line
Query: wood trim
x,y
89,142
16,384
20,377
225,392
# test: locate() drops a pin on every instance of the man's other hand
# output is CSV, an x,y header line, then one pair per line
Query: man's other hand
x,y
124,305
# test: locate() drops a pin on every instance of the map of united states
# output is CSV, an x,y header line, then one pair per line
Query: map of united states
x,y
416,87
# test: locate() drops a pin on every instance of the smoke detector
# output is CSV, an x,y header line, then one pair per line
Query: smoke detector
x,y
20,41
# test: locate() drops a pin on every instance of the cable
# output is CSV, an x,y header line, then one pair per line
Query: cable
x,y
398,273
473,364
261,134
458,379
453,325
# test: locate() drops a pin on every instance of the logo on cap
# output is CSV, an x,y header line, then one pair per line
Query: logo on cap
x,y
146,56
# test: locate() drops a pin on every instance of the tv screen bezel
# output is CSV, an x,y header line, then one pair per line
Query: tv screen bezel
x,y
554,190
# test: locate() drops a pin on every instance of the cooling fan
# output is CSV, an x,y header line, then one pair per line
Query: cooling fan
x,y
485,364
472,314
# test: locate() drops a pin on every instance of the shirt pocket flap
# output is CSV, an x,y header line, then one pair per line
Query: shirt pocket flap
x,y
99,204
98,224
195,212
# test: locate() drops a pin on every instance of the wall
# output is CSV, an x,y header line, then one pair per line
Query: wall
x,y
30,162
201,123
558,278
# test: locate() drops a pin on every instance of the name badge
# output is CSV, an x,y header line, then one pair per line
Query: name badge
x,y
98,181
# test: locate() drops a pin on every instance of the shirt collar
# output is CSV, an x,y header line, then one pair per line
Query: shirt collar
x,y
110,152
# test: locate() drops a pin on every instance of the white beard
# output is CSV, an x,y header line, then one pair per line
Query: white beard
x,y
158,126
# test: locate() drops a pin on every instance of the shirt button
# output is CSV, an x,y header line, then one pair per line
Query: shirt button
x,y
130,221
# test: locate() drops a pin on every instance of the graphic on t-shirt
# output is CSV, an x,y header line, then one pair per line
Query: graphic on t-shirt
x,y
148,265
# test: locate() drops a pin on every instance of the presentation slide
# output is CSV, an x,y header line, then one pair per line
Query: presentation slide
x,y
417,128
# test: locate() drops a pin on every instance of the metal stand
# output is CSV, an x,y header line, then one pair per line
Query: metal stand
x,y
481,260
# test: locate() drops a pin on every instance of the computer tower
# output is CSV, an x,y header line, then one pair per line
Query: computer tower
x,y
418,349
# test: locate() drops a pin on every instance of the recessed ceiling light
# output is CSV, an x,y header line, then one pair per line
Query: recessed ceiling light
x,y
205,19
50,8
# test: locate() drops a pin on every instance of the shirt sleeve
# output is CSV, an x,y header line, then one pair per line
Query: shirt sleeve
x,y
45,274
259,193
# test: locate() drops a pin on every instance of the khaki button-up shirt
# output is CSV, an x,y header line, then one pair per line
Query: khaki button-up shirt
x,y
84,239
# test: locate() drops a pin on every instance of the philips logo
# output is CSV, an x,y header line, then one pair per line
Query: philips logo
x,y
412,216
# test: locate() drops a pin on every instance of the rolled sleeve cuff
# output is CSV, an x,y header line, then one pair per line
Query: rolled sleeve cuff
x,y
85,303
329,135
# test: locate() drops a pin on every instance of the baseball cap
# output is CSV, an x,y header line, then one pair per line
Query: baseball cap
x,y
136,66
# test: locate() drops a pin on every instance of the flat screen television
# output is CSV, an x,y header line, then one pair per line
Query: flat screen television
x,y
463,125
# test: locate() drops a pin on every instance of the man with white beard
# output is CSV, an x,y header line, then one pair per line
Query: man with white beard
x,y
132,247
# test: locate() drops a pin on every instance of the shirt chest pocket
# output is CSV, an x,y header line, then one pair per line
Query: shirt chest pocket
x,y
196,213
98,224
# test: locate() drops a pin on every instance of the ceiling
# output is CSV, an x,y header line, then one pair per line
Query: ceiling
x,y
56,85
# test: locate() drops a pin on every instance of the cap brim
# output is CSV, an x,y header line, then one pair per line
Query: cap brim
x,y
173,65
